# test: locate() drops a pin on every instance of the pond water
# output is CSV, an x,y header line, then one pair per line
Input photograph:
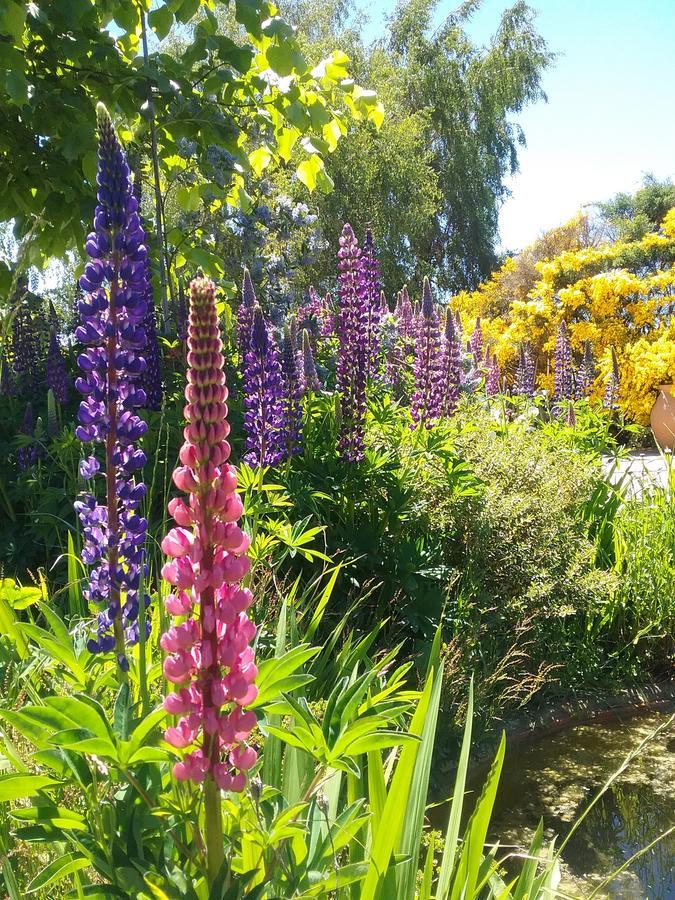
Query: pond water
x,y
555,777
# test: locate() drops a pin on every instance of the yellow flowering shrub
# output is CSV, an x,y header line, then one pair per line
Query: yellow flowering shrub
x,y
618,294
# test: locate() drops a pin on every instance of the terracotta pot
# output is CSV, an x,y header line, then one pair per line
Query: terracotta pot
x,y
663,417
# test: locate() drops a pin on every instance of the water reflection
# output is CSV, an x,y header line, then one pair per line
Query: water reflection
x,y
557,776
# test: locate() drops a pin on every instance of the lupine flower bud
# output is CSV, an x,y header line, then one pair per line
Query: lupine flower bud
x,y
353,347
476,342
562,374
426,401
57,379
28,454
210,655
372,289
245,315
263,397
310,378
25,349
587,372
611,396
292,396
112,313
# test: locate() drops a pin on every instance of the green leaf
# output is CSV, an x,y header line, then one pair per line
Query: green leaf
x,y
12,19
452,831
161,20
78,740
259,159
273,673
84,712
187,9
52,816
308,171
13,787
16,86
57,870
188,198
393,814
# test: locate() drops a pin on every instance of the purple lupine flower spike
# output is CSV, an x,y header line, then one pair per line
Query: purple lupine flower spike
x,y
493,378
245,315
476,342
372,288
426,400
28,454
25,349
292,396
263,396
384,305
587,373
57,378
353,347
112,313
611,396
563,383
451,366
525,378
310,378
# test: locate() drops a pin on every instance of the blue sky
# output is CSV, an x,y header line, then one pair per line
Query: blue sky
x,y
610,115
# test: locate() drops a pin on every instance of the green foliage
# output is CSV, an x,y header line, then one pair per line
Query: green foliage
x,y
631,216
431,182
217,91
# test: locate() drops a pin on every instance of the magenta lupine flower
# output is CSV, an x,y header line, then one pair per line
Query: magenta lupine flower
x,y
525,379
263,396
353,347
563,387
450,366
57,378
586,375
112,313
426,401
611,396
476,342
210,659
310,377
493,378
372,289
292,396
245,316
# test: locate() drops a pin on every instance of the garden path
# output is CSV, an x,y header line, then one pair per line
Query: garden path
x,y
640,469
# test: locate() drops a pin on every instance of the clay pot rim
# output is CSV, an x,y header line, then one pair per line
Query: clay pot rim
x,y
666,387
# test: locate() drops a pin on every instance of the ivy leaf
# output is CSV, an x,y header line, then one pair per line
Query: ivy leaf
x,y
161,20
